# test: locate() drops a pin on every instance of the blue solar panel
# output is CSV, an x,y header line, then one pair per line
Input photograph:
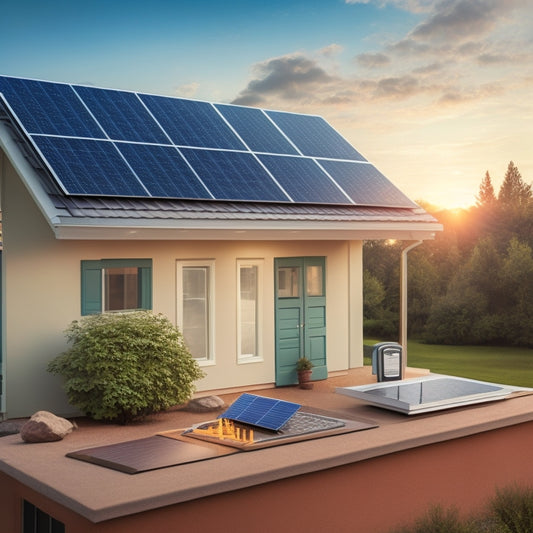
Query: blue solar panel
x,y
192,123
314,137
89,167
256,130
229,152
365,184
163,171
234,175
268,413
122,115
49,108
303,180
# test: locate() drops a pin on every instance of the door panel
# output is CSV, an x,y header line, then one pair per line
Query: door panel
x,y
300,316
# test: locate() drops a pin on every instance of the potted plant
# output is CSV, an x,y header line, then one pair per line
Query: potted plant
x,y
304,369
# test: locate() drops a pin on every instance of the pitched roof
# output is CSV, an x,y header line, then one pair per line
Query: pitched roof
x,y
210,169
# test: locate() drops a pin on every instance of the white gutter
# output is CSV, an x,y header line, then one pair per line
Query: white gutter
x,y
403,301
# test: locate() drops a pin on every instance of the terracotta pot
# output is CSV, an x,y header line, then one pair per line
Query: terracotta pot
x,y
304,379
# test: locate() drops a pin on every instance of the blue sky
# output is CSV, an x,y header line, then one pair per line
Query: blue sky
x,y
434,92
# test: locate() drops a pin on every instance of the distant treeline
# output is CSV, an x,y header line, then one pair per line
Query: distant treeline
x,y
472,285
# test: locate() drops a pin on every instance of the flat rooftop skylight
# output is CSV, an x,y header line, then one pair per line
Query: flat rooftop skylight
x,y
433,392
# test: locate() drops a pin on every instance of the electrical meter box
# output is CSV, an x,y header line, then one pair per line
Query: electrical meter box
x,y
387,361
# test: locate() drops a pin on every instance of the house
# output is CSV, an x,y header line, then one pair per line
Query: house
x,y
243,226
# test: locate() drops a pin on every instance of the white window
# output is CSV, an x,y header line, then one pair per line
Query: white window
x,y
196,289
249,304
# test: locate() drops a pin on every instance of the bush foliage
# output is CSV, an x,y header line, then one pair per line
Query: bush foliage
x,y
123,366
509,511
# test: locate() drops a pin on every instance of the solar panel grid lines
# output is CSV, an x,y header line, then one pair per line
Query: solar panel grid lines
x,y
314,136
192,123
48,108
303,179
167,147
364,182
93,164
122,115
257,130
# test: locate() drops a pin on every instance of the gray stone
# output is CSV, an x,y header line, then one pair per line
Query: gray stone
x,y
205,404
44,426
10,427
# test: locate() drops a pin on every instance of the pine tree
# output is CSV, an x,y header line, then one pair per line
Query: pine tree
x,y
514,192
486,196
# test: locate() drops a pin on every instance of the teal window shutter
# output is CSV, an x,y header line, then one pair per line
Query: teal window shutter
x,y
145,285
91,287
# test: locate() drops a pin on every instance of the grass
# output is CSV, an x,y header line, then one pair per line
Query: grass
x,y
510,366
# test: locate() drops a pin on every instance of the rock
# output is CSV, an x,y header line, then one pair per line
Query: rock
x,y
10,427
44,426
205,404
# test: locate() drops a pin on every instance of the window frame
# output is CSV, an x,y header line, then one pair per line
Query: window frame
x,y
258,355
209,264
93,284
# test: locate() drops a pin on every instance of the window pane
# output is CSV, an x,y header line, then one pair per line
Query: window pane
x,y
248,310
314,281
288,282
121,288
196,310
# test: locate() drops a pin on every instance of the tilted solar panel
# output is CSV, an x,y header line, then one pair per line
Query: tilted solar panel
x,y
122,115
256,130
234,175
303,179
268,413
49,108
90,167
365,184
163,171
192,123
314,137
107,142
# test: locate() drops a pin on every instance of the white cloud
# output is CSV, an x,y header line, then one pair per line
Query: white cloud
x,y
187,90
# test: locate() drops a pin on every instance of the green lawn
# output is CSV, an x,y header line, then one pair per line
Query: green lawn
x,y
510,366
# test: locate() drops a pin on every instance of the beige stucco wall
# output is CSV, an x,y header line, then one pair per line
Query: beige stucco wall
x,y
41,280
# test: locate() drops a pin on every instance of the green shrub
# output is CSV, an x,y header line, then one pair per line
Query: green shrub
x,y
509,511
439,520
513,508
123,366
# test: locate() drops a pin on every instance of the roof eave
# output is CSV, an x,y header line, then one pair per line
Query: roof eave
x,y
93,229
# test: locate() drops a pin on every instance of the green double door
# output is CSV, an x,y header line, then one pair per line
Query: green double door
x,y
300,285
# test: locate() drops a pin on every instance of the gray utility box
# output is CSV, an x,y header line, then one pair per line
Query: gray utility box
x,y
387,361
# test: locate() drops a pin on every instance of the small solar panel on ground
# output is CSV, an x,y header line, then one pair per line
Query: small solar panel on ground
x,y
268,413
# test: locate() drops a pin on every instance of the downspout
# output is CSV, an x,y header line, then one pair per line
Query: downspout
x,y
403,301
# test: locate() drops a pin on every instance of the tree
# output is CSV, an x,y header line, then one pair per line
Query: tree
x,y
514,192
486,196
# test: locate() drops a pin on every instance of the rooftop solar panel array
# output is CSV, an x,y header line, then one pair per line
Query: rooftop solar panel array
x,y
104,142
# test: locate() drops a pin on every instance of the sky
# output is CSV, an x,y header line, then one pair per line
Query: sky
x,y
435,93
